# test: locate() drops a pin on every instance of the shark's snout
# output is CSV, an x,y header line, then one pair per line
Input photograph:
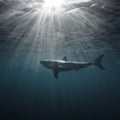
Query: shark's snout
x,y
41,62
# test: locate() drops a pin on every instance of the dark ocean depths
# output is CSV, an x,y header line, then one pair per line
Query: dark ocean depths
x,y
28,91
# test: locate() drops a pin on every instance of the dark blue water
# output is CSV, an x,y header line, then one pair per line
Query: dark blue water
x,y
27,93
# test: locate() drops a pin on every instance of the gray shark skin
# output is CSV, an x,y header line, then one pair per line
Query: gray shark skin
x,y
65,65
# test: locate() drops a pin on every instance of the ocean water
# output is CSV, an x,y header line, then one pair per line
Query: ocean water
x,y
29,91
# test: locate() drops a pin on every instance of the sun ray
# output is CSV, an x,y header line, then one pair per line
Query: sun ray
x,y
53,3
51,28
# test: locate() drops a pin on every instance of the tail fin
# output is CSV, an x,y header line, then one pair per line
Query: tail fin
x,y
98,63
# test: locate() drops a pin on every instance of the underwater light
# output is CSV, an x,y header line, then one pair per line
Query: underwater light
x,y
53,4
59,5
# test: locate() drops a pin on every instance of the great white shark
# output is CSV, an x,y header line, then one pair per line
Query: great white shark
x,y
65,65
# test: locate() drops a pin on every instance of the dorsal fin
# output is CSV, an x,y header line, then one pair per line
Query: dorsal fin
x,y
65,58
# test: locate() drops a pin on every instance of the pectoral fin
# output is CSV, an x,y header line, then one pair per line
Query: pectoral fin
x,y
55,72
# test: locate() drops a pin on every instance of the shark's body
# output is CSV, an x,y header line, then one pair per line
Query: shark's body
x,y
65,65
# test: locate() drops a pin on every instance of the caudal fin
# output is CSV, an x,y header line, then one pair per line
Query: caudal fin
x,y
98,61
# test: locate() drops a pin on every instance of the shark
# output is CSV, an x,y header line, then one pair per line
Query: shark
x,y
65,65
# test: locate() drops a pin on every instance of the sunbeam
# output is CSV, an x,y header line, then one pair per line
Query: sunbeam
x,y
52,28
51,4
